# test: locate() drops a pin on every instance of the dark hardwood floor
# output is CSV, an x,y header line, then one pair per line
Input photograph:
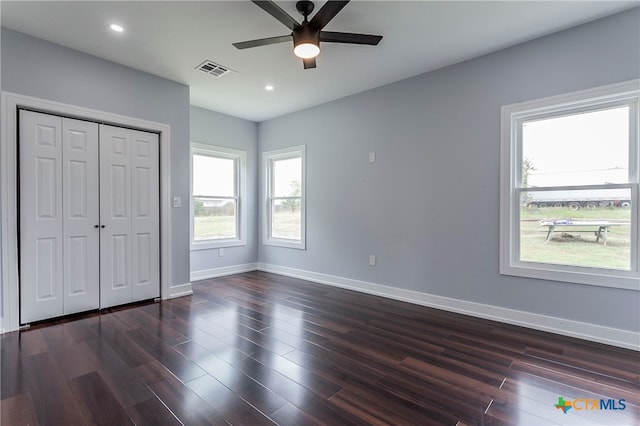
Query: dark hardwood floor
x,y
259,349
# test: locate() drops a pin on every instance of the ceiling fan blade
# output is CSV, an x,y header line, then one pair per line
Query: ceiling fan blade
x,y
274,10
262,42
326,13
351,38
309,63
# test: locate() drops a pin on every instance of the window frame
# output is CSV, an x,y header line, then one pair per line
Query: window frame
x,y
240,167
512,117
268,158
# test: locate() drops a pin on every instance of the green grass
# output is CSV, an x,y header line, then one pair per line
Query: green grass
x,y
576,248
214,227
286,224
580,249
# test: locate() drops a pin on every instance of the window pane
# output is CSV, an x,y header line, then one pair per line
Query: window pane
x,y
286,219
214,218
213,176
580,149
287,176
577,228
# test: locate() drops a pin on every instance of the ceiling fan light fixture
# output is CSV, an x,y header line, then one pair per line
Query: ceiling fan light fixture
x,y
306,50
307,35
306,42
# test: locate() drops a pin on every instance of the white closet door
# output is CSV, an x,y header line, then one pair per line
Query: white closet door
x,y
41,258
115,216
129,213
81,235
145,216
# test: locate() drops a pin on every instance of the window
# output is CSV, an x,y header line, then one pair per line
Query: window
x,y
285,197
218,213
569,188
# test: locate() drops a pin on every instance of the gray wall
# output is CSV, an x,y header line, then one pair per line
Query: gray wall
x,y
429,207
34,67
213,128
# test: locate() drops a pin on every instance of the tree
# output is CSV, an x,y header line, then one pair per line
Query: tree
x,y
198,208
293,203
527,166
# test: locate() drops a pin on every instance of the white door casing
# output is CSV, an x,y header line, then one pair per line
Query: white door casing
x,y
10,104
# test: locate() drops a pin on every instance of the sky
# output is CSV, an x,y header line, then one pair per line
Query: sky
x,y
286,172
579,149
213,176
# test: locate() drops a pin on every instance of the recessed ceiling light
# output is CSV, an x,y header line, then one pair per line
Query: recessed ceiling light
x,y
268,87
117,28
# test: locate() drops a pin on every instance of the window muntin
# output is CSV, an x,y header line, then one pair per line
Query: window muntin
x,y
572,160
285,209
217,216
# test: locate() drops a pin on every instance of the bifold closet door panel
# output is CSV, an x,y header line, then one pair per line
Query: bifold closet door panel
x,y
145,229
115,216
129,241
81,235
41,260
59,241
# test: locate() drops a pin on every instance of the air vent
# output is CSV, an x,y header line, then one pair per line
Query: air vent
x,y
210,67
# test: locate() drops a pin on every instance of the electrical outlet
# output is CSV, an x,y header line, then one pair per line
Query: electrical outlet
x,y
372,260
372,157
221,252
177,202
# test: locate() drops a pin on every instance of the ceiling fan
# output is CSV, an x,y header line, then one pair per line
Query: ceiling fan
x,y
308,35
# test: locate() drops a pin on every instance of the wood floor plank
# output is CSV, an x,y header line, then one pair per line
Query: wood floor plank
x,y
290,415
152,412
242,385
118,376
113,331
338,370
92,392
18,410
185,404
177,363
234,409
52,400
263,349
307,378
70,363
432,397
14,383
374,414
31,342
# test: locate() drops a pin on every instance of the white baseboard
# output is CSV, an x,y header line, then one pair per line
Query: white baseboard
x,y
223,271
180,290
597,333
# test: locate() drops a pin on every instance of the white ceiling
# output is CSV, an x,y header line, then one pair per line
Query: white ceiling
x,y
169,39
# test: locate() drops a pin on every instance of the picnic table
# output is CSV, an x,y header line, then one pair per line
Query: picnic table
x,y
600,228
